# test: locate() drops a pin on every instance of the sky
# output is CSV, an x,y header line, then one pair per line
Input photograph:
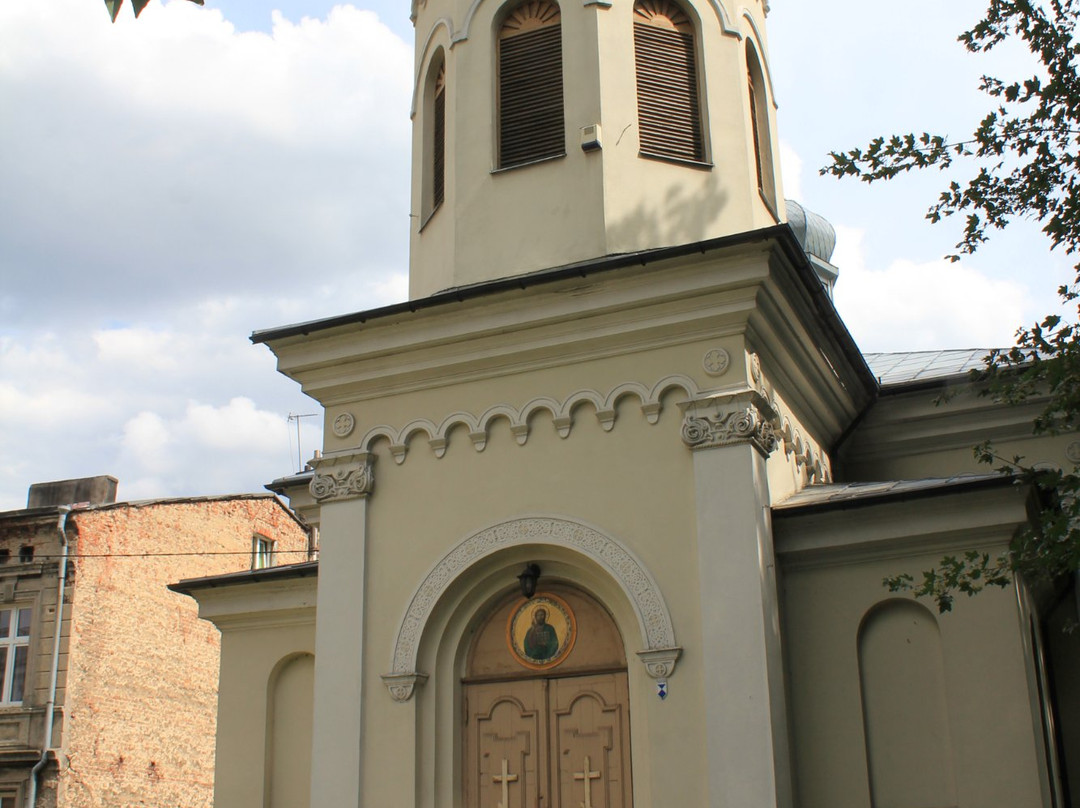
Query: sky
x,y
171,184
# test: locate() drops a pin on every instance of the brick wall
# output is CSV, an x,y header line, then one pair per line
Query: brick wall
x,y
142,677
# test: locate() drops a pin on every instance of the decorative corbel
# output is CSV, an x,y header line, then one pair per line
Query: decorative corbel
x,y
744,417
345,476
402,685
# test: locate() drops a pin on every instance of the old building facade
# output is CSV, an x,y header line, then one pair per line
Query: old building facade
x,y
96,646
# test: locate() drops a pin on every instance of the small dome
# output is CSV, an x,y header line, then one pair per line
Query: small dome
x,y
815,234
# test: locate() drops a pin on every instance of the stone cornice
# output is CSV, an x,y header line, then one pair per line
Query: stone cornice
x,y
755,289
745,417
342,476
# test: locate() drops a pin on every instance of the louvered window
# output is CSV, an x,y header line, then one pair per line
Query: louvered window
x,y
754,127
759,126
438,140
530,85
669,114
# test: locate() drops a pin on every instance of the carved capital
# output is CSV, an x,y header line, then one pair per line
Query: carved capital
x,y
343,477
660,662
745,417
402,685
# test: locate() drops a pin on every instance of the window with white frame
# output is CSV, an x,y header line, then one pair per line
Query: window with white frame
x,y
262,553
14,652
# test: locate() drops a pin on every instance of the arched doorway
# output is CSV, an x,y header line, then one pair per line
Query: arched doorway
x,y
546,706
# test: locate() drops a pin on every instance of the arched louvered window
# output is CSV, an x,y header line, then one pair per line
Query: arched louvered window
x,y
530,84
433,180
669,113
438,139
759,125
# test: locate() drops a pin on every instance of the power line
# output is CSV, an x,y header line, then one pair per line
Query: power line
x,y
44,557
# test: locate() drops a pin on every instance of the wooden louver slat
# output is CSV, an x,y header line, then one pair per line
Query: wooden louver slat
x,y
531,96
669,118
754,129
438,168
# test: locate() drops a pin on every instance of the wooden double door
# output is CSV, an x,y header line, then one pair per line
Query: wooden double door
x,y
548,743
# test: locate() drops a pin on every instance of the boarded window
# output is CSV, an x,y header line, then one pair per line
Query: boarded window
x,y
438,146
530,85
669,114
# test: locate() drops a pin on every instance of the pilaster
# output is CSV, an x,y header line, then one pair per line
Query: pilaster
x,y
342,484
731,438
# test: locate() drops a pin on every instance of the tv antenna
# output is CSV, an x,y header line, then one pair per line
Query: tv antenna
x,y
296,416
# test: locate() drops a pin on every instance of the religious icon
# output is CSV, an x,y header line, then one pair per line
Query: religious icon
x,y
541,632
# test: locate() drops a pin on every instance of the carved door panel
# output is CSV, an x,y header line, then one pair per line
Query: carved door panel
x,y
548,743
590,742
506,746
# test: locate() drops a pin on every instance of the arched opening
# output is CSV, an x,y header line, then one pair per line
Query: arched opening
x,y
669,109
759,126
434,123
546,704
530,84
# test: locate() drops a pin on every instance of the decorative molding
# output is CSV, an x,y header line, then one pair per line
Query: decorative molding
x,y
402,685
426,53
716,362
344,424
660,662
808,457
478,427
342,477
762,54
1072,452
654,620
745,417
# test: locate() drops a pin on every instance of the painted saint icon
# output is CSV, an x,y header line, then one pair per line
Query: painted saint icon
x,y
541,631
541,640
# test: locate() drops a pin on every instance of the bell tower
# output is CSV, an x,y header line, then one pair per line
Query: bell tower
x,y
547,132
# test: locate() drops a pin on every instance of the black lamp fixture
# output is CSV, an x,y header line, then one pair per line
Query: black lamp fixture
x,y
528,579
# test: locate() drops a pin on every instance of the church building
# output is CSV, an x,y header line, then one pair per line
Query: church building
x,y
605,507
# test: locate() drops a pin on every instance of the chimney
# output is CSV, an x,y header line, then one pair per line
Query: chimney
x,y
99,490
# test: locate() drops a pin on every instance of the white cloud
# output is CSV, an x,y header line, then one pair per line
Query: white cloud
x,y
911,306
171,185
791,167
206,447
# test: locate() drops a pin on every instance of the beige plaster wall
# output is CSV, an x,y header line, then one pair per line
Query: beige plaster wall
x,y
988,732
251,655
425,507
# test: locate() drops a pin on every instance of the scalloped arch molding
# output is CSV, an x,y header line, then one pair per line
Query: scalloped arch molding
x,y
561,413
654,620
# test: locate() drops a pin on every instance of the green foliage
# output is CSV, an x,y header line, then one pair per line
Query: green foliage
x,y
138,5
1023,160
1023,152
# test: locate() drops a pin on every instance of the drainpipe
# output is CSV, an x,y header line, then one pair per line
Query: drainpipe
x,y
50,707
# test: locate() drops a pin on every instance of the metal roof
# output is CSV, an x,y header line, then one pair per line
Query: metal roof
x,y
814,232
282,572
817,497
917,366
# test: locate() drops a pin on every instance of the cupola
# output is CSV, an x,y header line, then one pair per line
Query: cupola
x,y
547,133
